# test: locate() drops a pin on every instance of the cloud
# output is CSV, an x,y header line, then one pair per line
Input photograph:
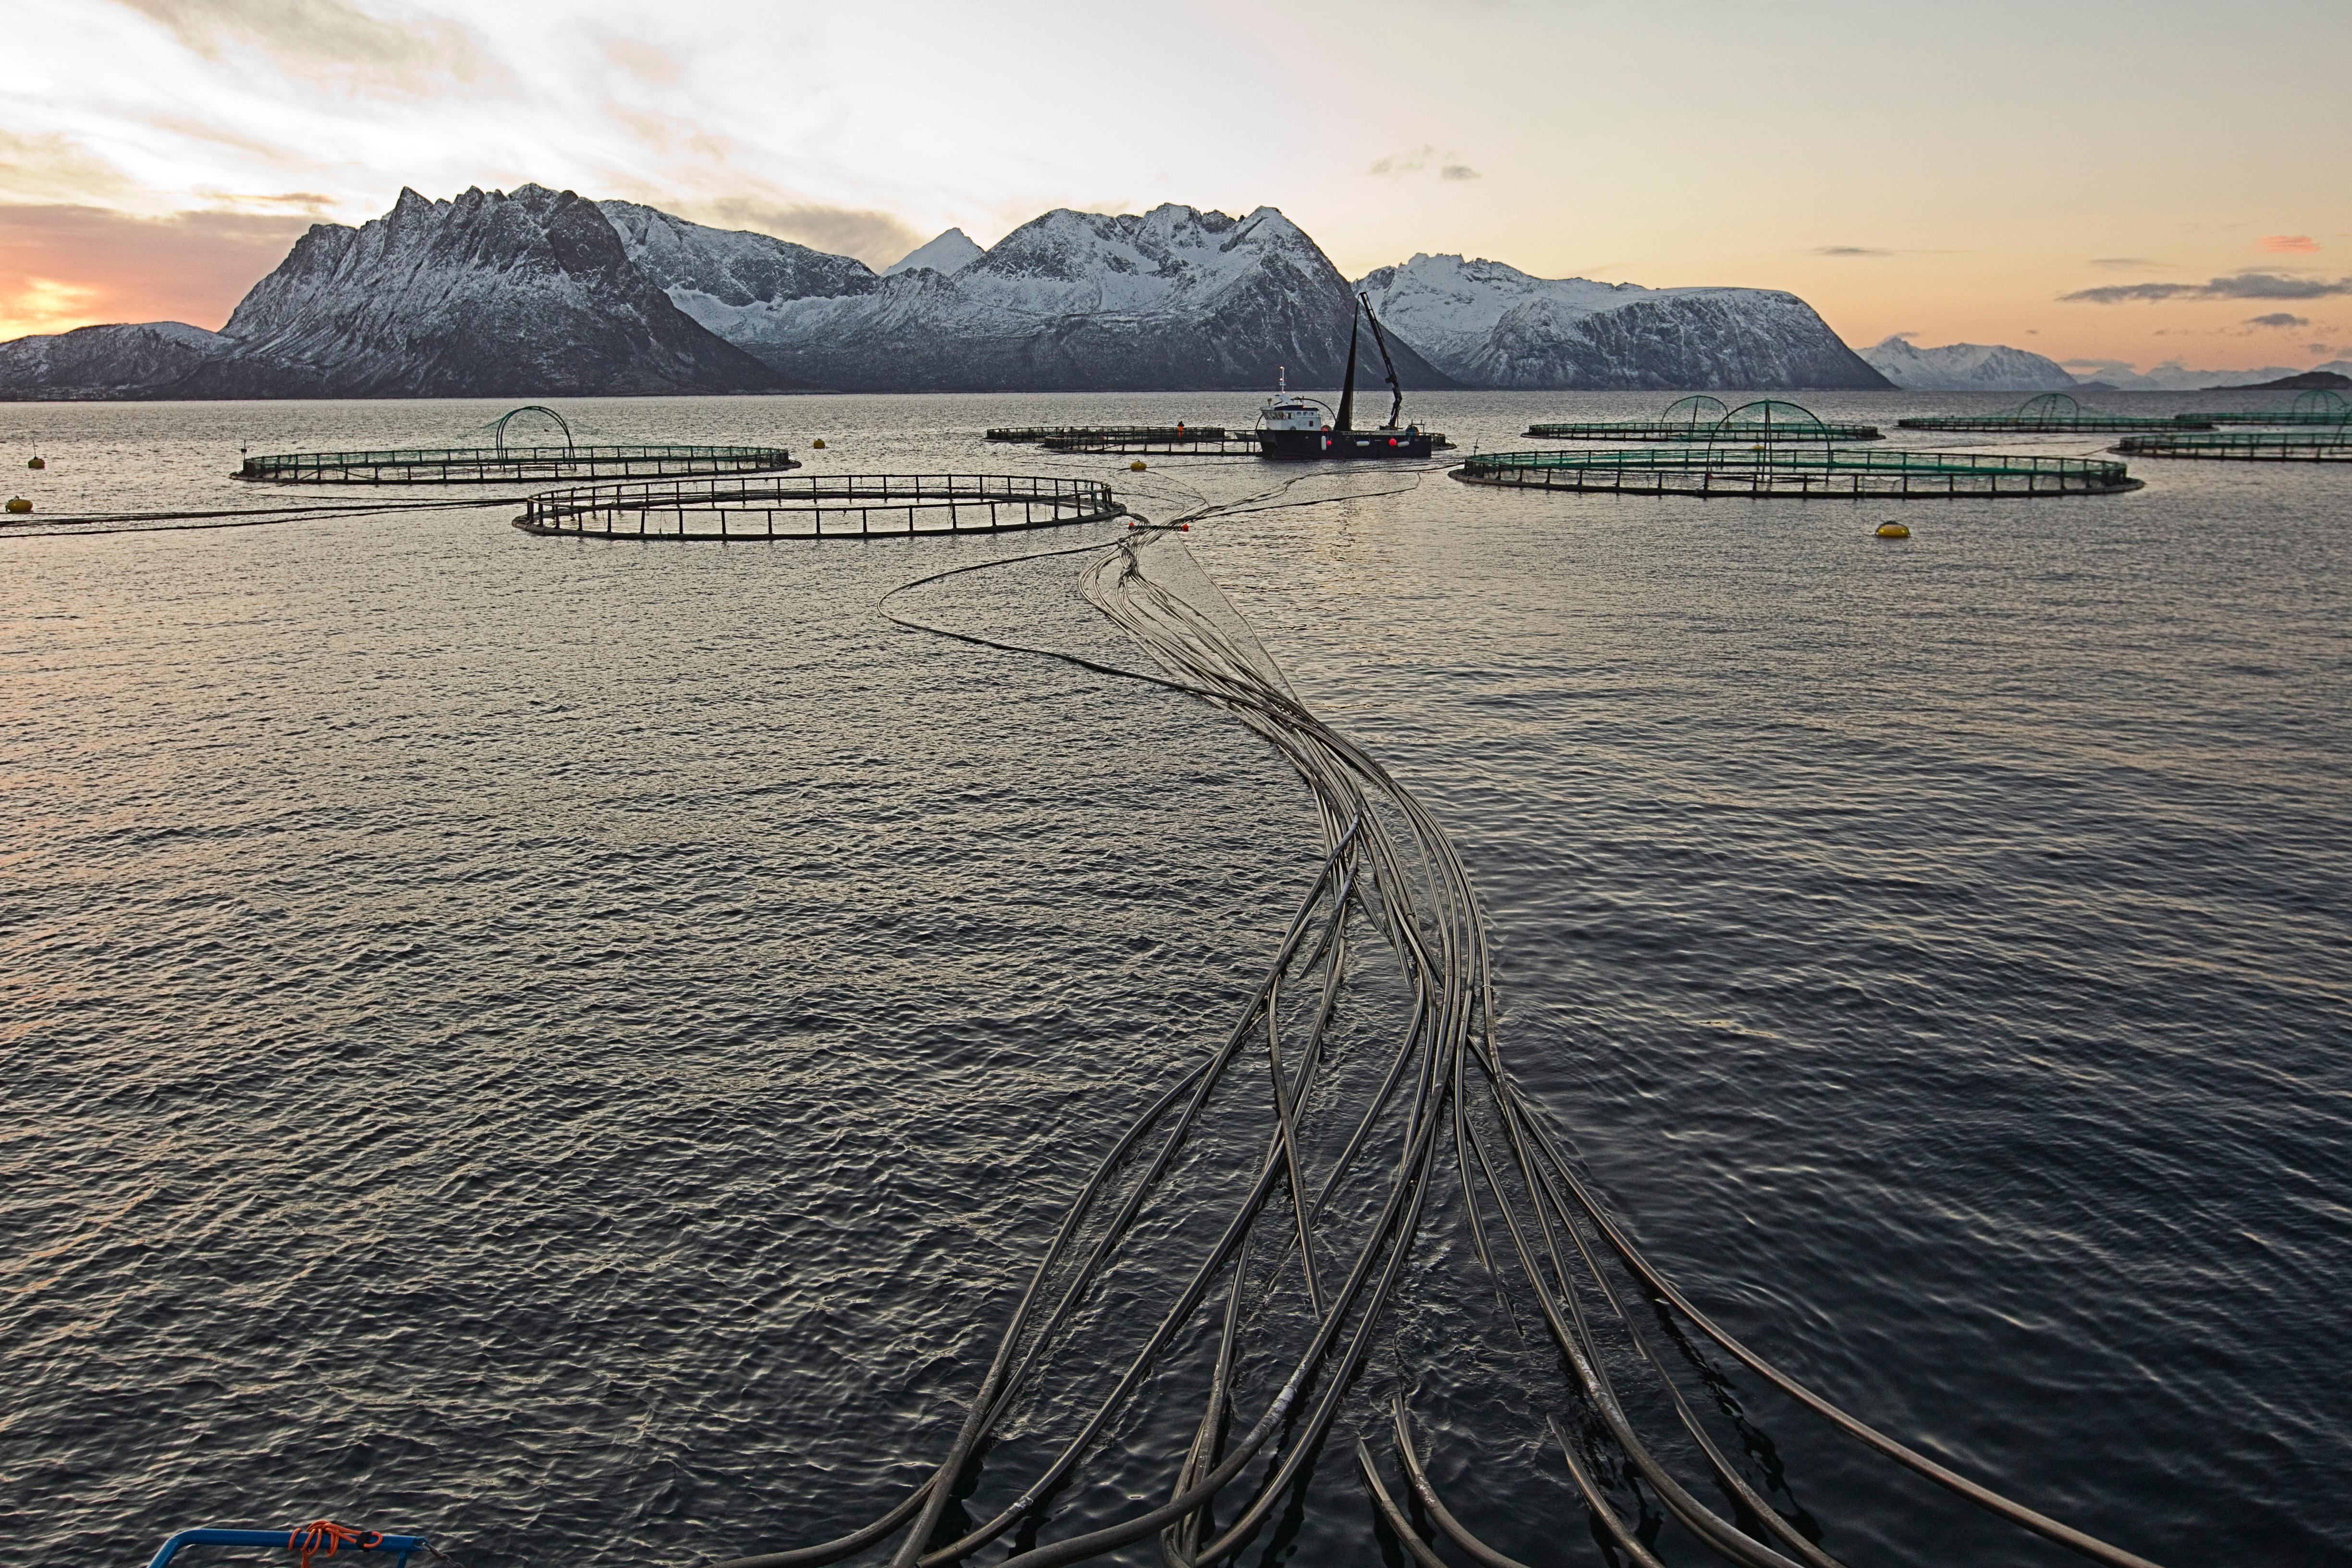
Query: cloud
x,y
52,168
63,265
1449,164
1872,250
2130,263
649,63
332,41
2278,319
2286,242
2244,285
876,238
1397,163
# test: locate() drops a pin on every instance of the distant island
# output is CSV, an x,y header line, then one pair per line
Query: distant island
x,y
2309,381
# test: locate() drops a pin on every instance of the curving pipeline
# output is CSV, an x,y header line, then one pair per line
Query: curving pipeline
x,y
1359,1152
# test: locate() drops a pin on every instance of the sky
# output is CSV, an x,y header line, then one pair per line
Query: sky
x,y
2106,184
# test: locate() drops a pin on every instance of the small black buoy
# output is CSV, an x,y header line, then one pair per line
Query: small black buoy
x,y
36,463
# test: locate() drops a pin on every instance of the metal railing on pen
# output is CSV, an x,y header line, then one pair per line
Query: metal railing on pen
x,y
501,465
820,506
1824,471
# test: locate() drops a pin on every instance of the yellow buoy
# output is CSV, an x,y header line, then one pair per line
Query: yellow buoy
x,y
1135,467
18,503
1893,531
818,444
36,463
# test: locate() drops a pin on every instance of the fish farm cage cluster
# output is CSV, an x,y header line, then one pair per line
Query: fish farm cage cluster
x,y
1704,418
826,506
500,462
2325,446
1782,470
2056,412
1046,435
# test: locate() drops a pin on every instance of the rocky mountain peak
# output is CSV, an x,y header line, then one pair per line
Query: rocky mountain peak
x,y
949,252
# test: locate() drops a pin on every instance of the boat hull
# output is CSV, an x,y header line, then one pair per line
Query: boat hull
x,y
1382,445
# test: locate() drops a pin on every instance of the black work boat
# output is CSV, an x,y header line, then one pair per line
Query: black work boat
x,y
1292,426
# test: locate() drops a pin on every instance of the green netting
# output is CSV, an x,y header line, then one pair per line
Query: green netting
x,y
1700,417
1697,409
1800,469
2054,411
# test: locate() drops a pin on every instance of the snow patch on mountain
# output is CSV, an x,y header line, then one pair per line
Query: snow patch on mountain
x,y
1966,367
1487,324
951,252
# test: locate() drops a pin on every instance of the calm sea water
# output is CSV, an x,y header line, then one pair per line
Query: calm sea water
x,y
571,1047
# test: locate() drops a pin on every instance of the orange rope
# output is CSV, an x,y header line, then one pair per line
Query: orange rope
x,y
327,1533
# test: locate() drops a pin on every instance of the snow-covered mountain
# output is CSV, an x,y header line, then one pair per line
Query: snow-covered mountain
x,y
1174,298
492,294
1486,325
541,292
106,361
951,252
1966,367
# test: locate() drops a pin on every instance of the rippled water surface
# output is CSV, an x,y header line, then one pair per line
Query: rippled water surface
x,y
571,1048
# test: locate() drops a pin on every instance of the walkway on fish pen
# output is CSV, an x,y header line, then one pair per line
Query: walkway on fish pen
x,y
2247,447
2055,412
826,506
1189,447
499,465
1826,472
1033,435
1192,443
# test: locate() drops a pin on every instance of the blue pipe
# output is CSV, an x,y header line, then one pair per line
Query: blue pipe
x,y
402,1544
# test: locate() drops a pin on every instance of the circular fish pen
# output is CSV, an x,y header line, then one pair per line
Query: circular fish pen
x,y
819,506
500,462
2056,412
2331,445
1801,472
1700,417
2318,406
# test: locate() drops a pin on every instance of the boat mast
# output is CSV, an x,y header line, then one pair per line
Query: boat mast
x,y
1345,420
1396,393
